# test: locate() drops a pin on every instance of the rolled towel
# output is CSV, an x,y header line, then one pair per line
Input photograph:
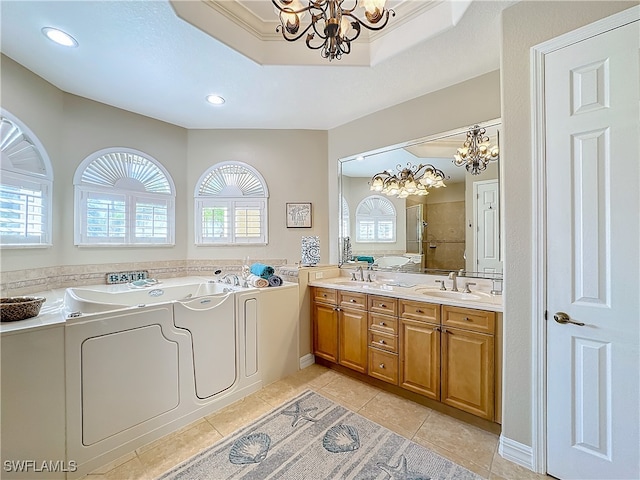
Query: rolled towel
x,y
274,281
256,281
261,270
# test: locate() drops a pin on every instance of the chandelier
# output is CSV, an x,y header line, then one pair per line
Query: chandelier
x,y
411,180
476,152
334,27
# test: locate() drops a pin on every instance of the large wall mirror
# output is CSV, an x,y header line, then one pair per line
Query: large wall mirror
x,y
455,227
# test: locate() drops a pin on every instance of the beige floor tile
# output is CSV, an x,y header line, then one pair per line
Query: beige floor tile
x,y
509,470
238,414
281,391
168,437
350,392
314,376
131,470
180,448
456,436
113,464
395,413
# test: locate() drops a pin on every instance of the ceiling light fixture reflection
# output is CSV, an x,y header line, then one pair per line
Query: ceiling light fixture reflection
x,y
59,37
476,152
215,99
411,180
331,28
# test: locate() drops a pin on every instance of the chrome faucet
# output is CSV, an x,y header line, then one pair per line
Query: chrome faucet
x,y
359,269
228,276
454,277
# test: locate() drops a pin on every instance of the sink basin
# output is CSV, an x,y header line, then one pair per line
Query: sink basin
x,y
433,292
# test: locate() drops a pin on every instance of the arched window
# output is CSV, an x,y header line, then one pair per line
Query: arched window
x,y
25,187
231,206
346,225
123,197
375,220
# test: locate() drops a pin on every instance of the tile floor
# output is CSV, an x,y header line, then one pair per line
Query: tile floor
x,y
464,444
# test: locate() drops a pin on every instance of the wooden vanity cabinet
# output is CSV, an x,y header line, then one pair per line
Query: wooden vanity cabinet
x,y
352,331
420,348
468,352
383,338
325,323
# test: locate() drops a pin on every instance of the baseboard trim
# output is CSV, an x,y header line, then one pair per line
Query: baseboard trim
x,y
307,360
516,452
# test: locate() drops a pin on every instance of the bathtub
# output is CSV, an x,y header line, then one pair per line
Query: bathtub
x,y
143,362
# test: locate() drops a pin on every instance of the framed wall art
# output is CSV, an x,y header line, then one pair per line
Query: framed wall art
x,y
298,215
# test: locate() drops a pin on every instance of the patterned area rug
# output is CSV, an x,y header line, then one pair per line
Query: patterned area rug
x,y
313,438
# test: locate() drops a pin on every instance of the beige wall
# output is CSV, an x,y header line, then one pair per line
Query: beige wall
x,y
524,25
293,163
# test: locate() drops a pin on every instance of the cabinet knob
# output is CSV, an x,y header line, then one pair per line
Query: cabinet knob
x,y
382,365
353,300
382,305
382,342
382,324
419,311
324,294
466,319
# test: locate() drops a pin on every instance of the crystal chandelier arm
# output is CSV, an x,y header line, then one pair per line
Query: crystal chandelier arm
x,y
288,10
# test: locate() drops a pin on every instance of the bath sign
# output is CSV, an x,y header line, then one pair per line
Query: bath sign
x,y
126,277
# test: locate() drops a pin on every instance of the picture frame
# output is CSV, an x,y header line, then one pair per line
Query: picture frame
x,y
299,215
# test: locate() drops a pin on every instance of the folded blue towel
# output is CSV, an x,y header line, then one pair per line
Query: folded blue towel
x,y
274,281
261,270
364,258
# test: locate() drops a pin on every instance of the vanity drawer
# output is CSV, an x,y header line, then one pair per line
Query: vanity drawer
x,y
421,311
325,295
384,341
385,305
383,323
469,319
383,365
352,300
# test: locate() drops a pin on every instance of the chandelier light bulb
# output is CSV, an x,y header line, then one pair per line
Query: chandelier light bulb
x,y
410,180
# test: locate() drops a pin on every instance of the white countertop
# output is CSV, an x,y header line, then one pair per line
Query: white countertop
x,y
410,290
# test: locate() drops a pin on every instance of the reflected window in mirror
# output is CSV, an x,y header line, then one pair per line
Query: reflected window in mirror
x,y
375,220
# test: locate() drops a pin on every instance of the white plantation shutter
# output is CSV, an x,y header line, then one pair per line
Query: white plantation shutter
x,y
231,206
26,185
375,220
123,197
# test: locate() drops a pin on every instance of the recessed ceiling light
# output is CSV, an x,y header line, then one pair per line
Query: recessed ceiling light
x,y
60,37
215,99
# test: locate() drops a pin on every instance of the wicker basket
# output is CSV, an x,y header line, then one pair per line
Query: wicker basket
x,y
20,308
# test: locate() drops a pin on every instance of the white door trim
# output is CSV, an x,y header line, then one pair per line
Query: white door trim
x,y
538,165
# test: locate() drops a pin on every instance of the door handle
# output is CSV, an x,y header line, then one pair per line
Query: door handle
x,y
562,317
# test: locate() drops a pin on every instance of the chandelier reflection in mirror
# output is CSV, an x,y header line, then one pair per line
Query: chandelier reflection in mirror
x,y
332,28
411,180
476,152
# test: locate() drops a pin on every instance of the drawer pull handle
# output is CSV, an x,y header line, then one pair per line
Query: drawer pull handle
x,y
353,300
382,305
382,324
382,365
324,294
466,319
419,311
382,342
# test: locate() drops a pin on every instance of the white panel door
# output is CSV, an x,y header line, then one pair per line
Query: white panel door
x,y
486,211
593,204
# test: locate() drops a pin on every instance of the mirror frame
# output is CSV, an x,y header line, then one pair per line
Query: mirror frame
x,y
430,138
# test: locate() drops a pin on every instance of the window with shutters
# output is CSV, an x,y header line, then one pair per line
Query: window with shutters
x,y
375,220
123,197
231,206
26,182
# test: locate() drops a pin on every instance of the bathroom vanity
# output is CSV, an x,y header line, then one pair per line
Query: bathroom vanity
x,y
441,345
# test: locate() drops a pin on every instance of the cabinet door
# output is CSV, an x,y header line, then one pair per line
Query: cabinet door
x,y
353,339
468,371
420,358
325,331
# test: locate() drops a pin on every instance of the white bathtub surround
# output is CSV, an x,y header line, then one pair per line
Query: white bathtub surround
x,y
29,281
137,364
